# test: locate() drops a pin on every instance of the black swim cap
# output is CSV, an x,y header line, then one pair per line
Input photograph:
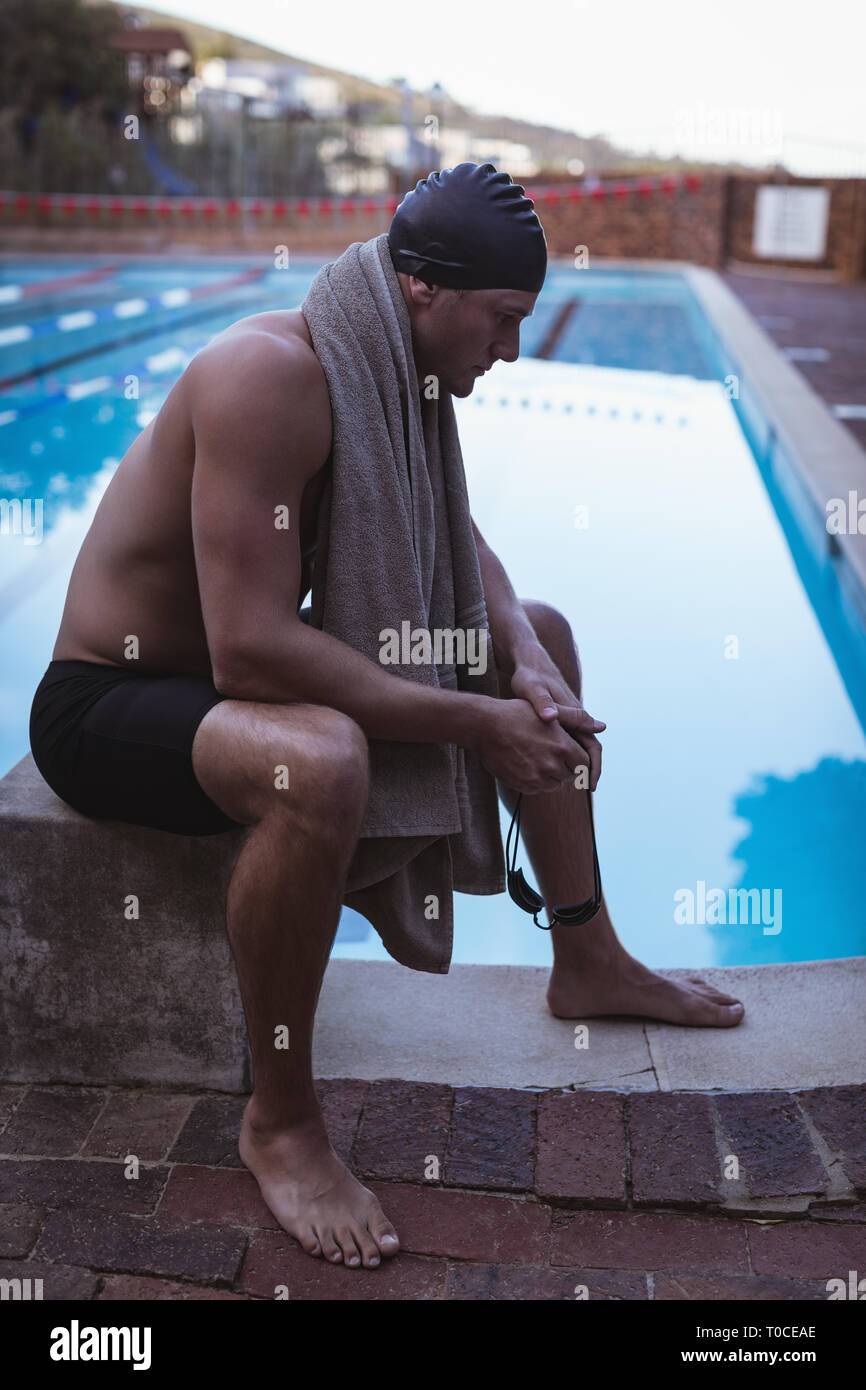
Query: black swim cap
x,y
469,228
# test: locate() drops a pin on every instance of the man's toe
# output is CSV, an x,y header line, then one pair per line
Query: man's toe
x,y
308,1240
385,1236
330,1248
346,1242
726,1015
370,1253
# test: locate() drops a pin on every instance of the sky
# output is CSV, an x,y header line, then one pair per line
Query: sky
x,y
744,79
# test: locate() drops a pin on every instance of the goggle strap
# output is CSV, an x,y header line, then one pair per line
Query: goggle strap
x,y
582,912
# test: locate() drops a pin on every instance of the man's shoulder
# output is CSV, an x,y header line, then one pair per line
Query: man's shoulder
x,y
262,370
277,341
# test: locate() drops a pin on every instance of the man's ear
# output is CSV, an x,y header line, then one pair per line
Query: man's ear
x,y
420,291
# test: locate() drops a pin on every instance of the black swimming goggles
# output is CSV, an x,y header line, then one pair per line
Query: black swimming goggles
x,y
575,914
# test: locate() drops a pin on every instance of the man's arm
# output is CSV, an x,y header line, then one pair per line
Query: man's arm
x,y
513,634
262,426
534,675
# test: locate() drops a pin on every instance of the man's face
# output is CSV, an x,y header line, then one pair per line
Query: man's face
x,y
458,336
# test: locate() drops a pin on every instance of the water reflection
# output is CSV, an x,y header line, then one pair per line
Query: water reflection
x,y
806,839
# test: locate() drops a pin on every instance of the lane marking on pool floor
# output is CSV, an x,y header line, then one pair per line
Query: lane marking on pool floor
x,y
12,294
56,364
123,309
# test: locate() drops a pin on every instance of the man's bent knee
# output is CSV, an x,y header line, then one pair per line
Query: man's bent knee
x,y
252,758
551,626
334,767
554,633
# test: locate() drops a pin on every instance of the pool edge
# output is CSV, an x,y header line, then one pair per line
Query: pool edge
x,y
828,460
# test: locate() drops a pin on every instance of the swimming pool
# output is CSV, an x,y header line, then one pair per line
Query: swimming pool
x,y
616,480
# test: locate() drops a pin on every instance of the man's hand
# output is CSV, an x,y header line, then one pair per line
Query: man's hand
x,y
524,752
538,680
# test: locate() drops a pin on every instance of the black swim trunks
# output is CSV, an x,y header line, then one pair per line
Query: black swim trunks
x,y
117,745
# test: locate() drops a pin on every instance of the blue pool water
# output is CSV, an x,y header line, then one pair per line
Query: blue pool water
x,y
615,480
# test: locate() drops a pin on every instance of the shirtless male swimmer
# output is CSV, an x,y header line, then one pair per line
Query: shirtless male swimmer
x,y
230,683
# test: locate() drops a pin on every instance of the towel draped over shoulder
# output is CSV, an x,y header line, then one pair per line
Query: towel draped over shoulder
x,y
395,545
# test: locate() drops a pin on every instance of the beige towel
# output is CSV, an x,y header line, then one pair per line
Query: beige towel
x,y
395,545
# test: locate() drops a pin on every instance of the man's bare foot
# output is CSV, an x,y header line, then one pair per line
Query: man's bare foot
x,y
313,1195
625,987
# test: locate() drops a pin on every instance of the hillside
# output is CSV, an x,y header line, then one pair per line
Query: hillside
x,y
208,42
557,145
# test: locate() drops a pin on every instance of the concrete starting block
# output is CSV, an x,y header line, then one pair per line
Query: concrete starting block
x,y
115,965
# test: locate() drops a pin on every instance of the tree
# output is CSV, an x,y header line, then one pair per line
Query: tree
x,y
55,54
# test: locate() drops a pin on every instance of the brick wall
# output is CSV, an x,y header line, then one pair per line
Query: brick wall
x,y
710,225
846,228
680,225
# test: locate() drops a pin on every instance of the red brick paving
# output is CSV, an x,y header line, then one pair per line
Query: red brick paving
x,y
210,1135
20,1224
650,1240
581,1147
723,1287
674,1150
839,1115
808,1250
9,1099
492,1139
405,1125
144,1123
197,1194
275,1262
467,1225
476,1281
63,1183
551,1195
134,1286
838,1211
768,1135
52,1123
111,1241
342,1103
59,1281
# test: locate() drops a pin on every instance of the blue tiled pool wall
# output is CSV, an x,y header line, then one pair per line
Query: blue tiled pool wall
x,y
833,591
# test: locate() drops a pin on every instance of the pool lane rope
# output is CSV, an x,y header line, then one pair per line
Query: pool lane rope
x,y
99,206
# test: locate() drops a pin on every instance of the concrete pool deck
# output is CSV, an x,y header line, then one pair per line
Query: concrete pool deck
x,y
488,1025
